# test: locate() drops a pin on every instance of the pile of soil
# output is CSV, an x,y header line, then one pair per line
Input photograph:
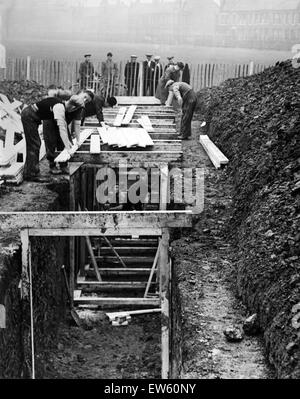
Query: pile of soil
x,y
26,91
255,121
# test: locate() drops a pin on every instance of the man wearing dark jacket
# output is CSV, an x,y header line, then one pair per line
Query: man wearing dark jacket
x,y
148,70
86,72
132,69
187,99
95,108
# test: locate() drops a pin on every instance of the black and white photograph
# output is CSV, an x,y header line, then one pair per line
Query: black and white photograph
x,y
150,192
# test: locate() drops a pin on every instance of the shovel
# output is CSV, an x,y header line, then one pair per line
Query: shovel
x,y
74,314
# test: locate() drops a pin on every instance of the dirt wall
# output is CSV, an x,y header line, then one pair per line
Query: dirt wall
x,y
48,303
255,122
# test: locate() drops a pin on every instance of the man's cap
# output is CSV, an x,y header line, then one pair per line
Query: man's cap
x,y
170,58
133,56
157,58
87,55
169,83
149,55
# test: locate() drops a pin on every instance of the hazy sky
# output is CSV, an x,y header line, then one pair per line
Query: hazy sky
x,y
96,2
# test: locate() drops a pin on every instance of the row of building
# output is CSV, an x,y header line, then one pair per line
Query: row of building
x,y
235,23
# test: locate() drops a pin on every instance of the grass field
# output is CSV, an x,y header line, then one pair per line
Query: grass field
x,y
71,50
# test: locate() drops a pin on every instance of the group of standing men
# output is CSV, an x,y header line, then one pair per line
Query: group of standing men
x,y
109,75
62,113
152,72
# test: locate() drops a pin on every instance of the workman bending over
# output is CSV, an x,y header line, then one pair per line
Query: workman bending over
x,y
187,99
95,107
52,137
53,109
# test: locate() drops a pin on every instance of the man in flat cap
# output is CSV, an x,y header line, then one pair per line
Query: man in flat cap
x,y
148,71
110,74
61,113
132,70
51,131
158,71
187,100
86,72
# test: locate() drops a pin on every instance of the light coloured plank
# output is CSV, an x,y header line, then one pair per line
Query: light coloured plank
x,y
214,150
129,115
117,301
65,155
215,155
117,315
95,146
138,100
77,294
2,317
81,223
119,119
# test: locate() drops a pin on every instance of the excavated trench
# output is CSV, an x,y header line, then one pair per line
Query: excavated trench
x,y
202,305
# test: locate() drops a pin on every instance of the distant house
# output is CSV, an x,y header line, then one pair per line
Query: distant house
x,y
259,23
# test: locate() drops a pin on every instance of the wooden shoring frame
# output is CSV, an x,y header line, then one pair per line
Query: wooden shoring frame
x,y
163,268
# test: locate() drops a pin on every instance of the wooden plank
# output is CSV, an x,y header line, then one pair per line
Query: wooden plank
x,y
117,301
138,100
111,231
129,115
129,250
94,262
65,155
112,286
127,259
82,222
116,316
120,272
216,156
152,270
72,267
2,317
164,282
139,158
119,119
95,146
164,187
77,294
145,122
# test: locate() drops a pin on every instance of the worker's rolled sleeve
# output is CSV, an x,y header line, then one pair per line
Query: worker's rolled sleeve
x,y
60,117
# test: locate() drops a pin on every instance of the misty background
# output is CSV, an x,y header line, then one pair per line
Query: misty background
x,y
191,30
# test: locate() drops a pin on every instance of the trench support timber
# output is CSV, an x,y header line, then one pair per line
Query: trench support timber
x,y
151,228
140,238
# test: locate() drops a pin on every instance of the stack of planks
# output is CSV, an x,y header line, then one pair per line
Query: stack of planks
x,y
216,156
124,117
125,137
11,171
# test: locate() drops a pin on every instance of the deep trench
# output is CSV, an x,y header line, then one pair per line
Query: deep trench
x,y
101,351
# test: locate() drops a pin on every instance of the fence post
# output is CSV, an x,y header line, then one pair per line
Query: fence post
x,y
251,68
28,68
141,80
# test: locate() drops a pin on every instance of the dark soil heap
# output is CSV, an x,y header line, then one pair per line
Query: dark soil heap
x,y
256,123
28,92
